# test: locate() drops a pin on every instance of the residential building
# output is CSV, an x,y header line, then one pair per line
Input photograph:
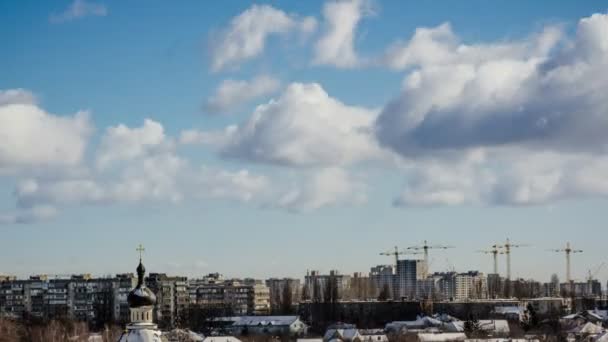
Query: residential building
x,y
246,297
318,284
277,288
409,271
172,298
382,277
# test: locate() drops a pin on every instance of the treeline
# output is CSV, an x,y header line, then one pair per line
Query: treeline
x,y
56,330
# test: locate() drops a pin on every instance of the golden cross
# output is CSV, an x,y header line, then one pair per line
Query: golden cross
x,y
140,249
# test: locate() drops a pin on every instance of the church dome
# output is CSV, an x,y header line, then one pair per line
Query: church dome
x,y
141,295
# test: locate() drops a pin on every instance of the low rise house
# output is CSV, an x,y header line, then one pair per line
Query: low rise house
x,y
267,325
343,333
373,335
441,337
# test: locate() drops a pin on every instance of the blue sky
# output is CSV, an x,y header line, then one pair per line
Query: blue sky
x,y
286,136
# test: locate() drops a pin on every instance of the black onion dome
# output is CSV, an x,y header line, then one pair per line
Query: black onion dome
x,y
141,295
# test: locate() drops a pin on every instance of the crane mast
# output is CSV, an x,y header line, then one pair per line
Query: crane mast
x,y
425,249
567,251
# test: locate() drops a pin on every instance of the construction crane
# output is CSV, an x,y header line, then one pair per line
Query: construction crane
x,y
507,251
595,271
396,253
425,249
568,250
590,275
494,251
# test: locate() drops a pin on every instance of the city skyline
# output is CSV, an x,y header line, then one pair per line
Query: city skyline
x,y
266,139
411,253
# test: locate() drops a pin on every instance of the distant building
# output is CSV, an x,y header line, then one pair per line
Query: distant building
x,y
172,298
407,275
247,297
463,286
318,284
277,288
289,326
383,277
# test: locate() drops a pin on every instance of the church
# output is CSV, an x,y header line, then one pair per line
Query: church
x,y
141,305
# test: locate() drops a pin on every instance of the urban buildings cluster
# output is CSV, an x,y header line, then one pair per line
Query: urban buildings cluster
x,y
101,300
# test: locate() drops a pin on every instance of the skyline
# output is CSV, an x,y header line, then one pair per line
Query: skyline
x,y
266,139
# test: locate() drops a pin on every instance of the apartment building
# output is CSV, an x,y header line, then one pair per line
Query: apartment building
x,y
172,298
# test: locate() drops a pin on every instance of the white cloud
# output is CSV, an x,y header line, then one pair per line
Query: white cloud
x,y
16,96
79,9
29,215
123,143
440,181
536,92
147,172
505,176
215,138
441,46
240,185
233,93
31,137
304,126
534,107
325,187
336,46
245,36
163,177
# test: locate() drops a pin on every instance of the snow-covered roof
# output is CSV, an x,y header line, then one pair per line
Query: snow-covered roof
x,y
494,325
598,314
454,326
442,337
371,331
221,339
591,329
505,310
263,320
501,340
181,334
141,335
341,334
602,338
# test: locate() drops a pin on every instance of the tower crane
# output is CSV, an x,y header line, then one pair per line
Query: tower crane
x,y
494,251
396,253
425,249
568,250
595,271
590,275
507,251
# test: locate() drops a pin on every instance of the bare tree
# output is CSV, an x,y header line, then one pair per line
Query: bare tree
x,y
10,330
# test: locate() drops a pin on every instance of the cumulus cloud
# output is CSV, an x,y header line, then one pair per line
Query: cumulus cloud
x,y
336,46
535,107
535,92
446,181
245,37
79,9
233,93
146,172
304,126
212,138
123,143
31,137
325,187
16,96
164,178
